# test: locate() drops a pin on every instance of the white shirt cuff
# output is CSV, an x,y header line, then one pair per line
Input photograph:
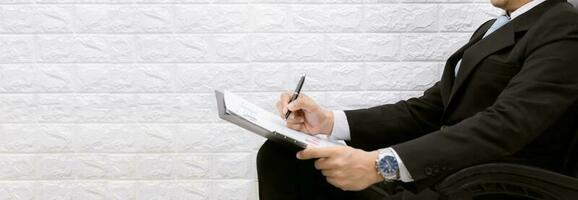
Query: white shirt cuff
x,y
340,127
404,174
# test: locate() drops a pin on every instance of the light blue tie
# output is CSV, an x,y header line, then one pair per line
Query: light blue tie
x,y
500,21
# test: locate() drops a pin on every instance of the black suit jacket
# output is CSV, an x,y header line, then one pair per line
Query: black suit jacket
x,y
514,100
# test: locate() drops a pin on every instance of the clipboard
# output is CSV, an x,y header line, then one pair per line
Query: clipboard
x,y
275,136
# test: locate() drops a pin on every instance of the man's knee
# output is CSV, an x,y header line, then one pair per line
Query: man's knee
x,y
272,153
265,153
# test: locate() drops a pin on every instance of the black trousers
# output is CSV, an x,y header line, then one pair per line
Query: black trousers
x,y
283,176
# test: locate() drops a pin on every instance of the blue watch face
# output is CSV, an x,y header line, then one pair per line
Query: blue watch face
x,y
388,166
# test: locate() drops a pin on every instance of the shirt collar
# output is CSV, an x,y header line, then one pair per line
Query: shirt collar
x,y
525,8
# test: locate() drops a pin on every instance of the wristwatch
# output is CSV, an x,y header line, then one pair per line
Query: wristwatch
x,y
386,165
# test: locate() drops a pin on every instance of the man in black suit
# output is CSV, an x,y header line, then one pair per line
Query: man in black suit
x,y
508,95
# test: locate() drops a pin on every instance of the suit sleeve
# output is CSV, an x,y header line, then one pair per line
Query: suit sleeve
x,y
544,90
400,122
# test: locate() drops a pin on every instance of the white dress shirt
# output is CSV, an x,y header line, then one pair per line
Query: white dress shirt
x,y
341,125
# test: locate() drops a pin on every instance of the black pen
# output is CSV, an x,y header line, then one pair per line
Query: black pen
x,y
296,94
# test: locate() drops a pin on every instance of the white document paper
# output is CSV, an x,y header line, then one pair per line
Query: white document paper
x,y
267,120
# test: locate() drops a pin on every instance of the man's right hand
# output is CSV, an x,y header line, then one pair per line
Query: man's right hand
x,y
306,116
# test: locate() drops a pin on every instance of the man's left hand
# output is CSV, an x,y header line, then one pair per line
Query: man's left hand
x,y
344,167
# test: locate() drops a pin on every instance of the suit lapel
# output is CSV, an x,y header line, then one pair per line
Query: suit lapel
x,y
449,69
500,39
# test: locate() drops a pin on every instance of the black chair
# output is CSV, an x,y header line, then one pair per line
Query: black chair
x,y
512,181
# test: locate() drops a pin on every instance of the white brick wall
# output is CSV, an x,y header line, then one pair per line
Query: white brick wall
x,y
112,99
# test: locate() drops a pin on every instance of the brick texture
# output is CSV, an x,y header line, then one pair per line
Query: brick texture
x,y
112,99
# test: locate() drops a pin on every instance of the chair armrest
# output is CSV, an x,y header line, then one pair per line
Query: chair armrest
x,y
508,179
